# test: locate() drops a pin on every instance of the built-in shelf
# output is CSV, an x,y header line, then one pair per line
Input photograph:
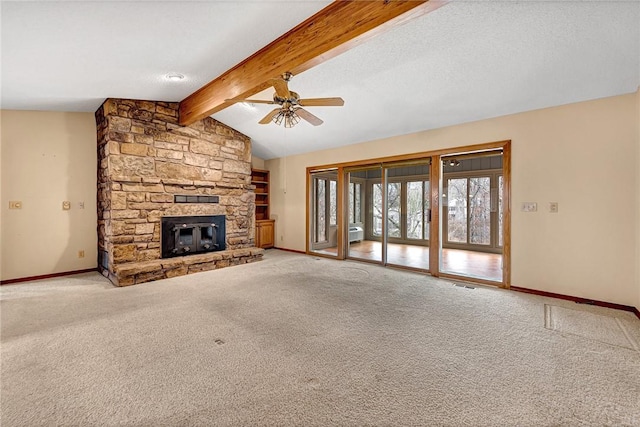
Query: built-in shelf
x,y
265,226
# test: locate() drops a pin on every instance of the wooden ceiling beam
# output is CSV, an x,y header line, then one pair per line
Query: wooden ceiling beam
x,y
335,29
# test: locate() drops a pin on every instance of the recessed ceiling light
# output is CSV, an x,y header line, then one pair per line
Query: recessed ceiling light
x,y
175,77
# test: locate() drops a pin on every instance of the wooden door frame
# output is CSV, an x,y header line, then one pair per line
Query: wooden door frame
x,y
310,207
435,237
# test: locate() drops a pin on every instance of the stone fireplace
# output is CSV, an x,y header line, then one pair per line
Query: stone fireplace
x,y
159,182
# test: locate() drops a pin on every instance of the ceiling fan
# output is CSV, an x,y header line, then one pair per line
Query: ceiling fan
x,y
290,111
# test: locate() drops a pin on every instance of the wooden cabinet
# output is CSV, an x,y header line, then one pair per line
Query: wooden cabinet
x,y
265,233
265,227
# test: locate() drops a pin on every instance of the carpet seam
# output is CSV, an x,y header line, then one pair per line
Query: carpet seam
x,y
626,334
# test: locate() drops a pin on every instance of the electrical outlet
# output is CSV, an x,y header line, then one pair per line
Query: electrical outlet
x,y
15,205
80,205
80,254
553,207
281,238
529,207
66,205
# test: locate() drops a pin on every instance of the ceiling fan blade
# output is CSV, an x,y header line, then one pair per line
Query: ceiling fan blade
x,y
267,119
308,117
281,87
321,102
250,101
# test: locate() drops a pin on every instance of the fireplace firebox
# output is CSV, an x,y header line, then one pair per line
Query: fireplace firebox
x,y
187,235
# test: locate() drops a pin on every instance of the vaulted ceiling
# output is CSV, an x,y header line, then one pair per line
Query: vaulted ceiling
x,y
465,61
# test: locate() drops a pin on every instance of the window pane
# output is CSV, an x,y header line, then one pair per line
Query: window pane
x,y
357,207
321,232
427,206
415,210
457,210
351,203
377,209
500,184
393,214
480,210
333,202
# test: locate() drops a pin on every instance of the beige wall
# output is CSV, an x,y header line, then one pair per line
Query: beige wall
x,y
257,163
47,158
2,201
638,199
583,156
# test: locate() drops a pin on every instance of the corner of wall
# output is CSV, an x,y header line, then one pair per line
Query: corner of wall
x,y
637,115
1,199
278,202
257,162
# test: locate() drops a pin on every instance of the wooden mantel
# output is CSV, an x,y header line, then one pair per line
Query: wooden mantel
x,y
330,32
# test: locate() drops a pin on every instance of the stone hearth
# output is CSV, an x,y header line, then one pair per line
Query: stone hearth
x,y
145,160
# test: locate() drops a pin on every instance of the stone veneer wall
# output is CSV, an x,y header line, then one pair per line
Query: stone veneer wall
x,y
145,158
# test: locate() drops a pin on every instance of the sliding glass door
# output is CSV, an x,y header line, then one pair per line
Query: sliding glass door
x,y
407,212
365,226
389,214
472,216
442,212
324,209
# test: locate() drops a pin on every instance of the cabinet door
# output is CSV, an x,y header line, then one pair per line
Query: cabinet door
x,y
266,235
258,242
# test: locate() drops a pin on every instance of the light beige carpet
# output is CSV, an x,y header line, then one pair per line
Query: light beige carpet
x,y
299,341
607,329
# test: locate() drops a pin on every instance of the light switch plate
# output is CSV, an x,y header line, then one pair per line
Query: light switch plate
x,y
553,207
66,205
15,205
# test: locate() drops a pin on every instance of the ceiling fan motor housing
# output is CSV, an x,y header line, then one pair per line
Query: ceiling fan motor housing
x,y
281,100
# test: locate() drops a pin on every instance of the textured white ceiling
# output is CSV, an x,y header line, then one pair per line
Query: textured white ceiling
x,y
465,61
71,55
